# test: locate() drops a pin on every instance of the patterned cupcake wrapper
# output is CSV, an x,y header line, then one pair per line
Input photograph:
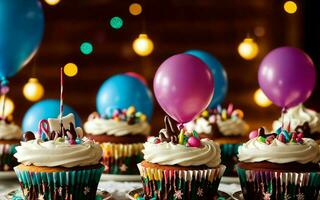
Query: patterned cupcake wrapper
x,y
180,184
268,185
7,160
74,184
121,158
229,158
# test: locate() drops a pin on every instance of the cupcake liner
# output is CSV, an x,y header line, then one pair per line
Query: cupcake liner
x,y
121,158
229,158
7,160
73,184
180,184
258,184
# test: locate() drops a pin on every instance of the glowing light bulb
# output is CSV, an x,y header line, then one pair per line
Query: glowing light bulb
x,y
70,69
290,7
248,49
8,106
142,45
261,99
52,2
86,48
116,22
135,9
33,90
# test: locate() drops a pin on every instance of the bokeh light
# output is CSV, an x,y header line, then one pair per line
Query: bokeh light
x,y
248,49
135,9
261,99
143,45
33,90
290,7
52,2
116,22
86,48
8,106
70,69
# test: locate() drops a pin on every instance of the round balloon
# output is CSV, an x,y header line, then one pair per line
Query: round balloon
x,y
21,30
287,76
122,91
48,108
183,86
220,75
138,76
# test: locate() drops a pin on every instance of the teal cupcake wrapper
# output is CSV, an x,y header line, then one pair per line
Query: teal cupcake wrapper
x,y
229,158
258,184
7,160
73,184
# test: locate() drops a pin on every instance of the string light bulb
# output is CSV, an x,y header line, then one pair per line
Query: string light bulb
x,y
143,45
52,2
70,69
8,106
33,90
248,49
290,7
135,9
261,99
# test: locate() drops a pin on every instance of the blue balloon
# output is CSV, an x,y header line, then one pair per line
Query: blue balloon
x,y
21,30
122,91
48,108
220,75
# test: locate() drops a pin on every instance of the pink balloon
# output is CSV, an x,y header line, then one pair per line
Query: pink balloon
x,y
137,76
183,86
287,76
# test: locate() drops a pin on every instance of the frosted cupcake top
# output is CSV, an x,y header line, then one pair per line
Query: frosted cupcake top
x,y
9,130
229,121
174,147
280,147
298,116
58,145
122,122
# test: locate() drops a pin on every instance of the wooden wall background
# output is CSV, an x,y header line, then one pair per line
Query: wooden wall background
x,y
175,26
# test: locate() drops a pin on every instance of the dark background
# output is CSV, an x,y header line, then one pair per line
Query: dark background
x,y
174,26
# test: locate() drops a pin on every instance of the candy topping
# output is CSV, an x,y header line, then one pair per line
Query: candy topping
x,y
223,114
281,134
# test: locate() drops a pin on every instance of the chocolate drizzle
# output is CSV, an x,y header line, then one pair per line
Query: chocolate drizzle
x,y
171,131
305,129
71,133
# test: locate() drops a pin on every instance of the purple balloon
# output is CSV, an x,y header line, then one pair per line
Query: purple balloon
x,y
287,76
183,86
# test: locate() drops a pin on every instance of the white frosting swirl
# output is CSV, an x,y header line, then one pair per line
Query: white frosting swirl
x,y
278,152
99,126
54,153
176,154
297,116
9,131
229,127
233,127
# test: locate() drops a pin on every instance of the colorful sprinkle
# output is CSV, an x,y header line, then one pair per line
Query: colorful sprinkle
x,y
181,136
238,113
253,134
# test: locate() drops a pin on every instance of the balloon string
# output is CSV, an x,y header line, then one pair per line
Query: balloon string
x,y
3,105
180,126
283,112
61,97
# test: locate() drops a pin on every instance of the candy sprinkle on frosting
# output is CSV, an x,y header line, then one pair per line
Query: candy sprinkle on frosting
x,y
130,115
281,134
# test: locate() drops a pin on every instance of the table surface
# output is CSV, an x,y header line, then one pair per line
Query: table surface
x,y
117,189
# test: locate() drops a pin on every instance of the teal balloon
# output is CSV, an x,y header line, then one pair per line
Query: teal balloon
x,y
48,108
122,91
21,31
220,75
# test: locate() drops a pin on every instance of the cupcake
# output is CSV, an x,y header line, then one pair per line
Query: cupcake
x,y
303,120
58,163
121,137
10,136
226,127
180,165
280,165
